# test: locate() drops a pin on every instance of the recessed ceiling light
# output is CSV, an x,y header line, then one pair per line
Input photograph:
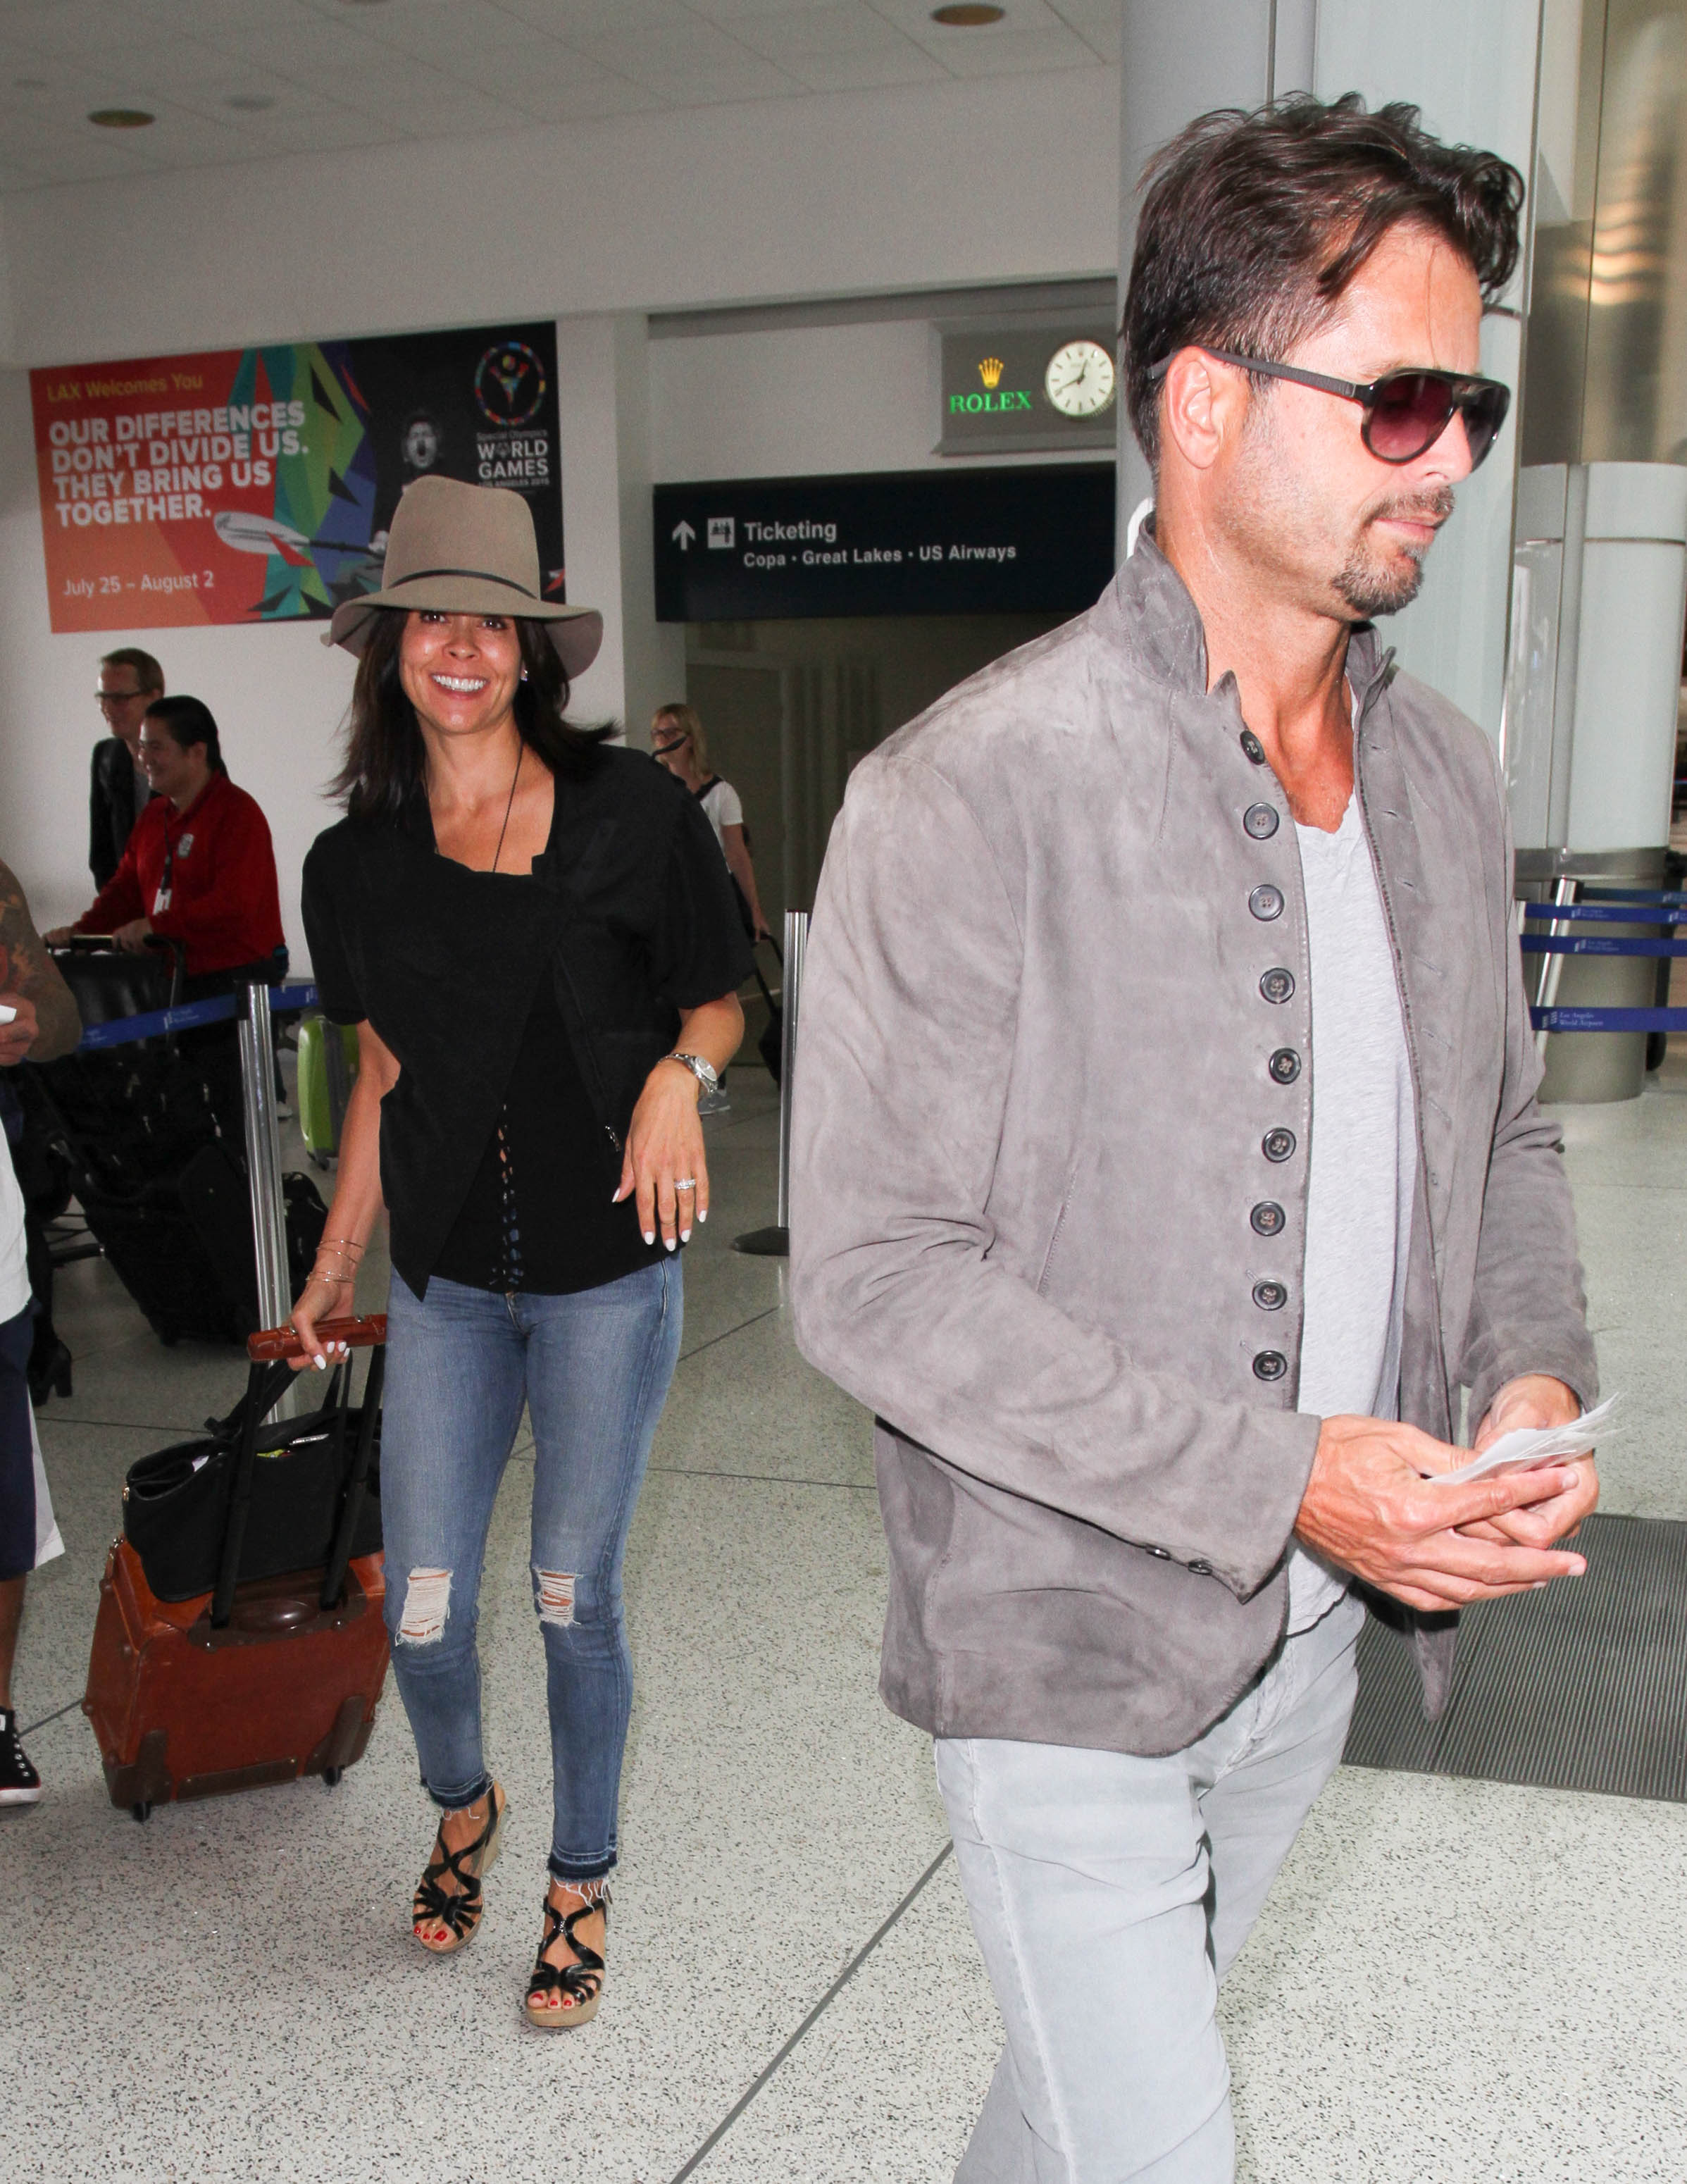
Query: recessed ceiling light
x,y
121,117
968,17
250,102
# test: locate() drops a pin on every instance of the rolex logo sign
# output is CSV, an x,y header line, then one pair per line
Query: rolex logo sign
x,y
994,397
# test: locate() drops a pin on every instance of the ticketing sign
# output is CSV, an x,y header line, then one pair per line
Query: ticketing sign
x,y
1030,540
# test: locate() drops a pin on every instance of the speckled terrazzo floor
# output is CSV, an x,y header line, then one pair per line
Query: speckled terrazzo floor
x,y
1452,1981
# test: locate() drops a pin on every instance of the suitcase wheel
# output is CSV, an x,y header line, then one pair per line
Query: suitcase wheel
x,y
331,1776
142,1811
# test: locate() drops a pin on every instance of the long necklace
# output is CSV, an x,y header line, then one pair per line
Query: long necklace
x,y
508,806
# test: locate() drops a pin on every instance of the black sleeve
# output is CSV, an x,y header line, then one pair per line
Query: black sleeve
x,y
700,949
101,862
321,903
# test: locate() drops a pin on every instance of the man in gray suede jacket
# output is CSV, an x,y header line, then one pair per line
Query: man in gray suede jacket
x,y
1167,1153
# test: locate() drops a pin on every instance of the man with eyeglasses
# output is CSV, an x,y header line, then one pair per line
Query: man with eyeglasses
x,y
129,680
1167,1169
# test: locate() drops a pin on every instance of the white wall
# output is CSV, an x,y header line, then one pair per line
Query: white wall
x,y
804,401
916,186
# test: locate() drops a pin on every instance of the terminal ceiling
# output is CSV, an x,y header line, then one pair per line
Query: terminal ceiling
x,y
235,80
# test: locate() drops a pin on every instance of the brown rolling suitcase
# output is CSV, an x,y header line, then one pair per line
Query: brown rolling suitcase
x,y
249,1684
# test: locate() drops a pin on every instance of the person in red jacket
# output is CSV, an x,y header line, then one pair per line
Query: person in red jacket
x,y
200,867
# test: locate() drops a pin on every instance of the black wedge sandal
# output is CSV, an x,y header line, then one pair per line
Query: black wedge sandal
x,y
580,1984
459,1911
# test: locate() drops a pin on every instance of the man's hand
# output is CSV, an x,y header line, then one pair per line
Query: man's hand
x,y
60,936
1368,1509
18,1037
1536,1399
133,937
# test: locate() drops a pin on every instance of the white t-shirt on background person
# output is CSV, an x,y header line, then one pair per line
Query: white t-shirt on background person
x,y
721,801
14,1280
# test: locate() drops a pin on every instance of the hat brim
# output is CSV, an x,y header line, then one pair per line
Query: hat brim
x,y
577,633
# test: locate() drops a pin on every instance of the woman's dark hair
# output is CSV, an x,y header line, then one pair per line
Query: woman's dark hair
x,y
1254,225
188,721
385,757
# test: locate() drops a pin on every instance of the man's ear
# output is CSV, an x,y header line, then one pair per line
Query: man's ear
x,y
1202,405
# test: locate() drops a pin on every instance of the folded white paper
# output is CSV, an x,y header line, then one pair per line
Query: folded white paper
x,y
1530,1448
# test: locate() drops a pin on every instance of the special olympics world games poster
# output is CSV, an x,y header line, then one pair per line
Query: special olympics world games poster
x,y
257,485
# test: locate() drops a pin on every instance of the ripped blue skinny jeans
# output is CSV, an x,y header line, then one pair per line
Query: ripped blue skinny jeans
x,y
593,1369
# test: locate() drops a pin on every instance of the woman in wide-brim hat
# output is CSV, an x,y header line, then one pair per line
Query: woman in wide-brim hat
x,y
533,933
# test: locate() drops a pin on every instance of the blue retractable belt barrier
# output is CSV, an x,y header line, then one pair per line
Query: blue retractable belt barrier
x,y
1571,944
1603,913
1609,1019
156,1023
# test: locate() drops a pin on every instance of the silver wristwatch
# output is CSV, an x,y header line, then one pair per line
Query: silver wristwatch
x,y
701,1070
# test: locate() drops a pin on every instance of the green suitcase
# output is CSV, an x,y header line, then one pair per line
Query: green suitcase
x,y
327,1070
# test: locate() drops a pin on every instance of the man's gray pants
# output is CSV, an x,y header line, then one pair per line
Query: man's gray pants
x,y
1110,1895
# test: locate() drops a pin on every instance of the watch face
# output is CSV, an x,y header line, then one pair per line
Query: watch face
x,y
1080,381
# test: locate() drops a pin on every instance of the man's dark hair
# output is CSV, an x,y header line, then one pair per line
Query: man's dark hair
x,y
148,675
190,721
1253,225
386,760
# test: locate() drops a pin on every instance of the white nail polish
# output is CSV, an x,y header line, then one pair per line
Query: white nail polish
x,y
650,1235
685,1235
702,1213
320,1363
669,1242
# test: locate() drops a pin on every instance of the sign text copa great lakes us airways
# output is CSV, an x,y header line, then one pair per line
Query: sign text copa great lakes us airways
x,y
1000,541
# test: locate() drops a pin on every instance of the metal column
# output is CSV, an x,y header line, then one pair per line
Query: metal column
x,y
775,1243
263,1168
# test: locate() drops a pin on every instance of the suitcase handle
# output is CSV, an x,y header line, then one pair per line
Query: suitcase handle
x,y
276,1343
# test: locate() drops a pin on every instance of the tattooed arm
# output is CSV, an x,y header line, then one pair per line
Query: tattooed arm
x,y
47,1024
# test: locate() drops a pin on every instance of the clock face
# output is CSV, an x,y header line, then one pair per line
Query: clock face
x,y
1080,381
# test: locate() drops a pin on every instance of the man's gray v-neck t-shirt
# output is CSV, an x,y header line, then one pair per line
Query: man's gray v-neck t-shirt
x,y
1362,1162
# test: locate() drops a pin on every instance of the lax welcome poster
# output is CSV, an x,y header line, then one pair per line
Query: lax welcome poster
x,y
257,485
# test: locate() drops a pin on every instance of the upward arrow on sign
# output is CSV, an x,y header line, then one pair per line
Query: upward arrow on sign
x,y
685,534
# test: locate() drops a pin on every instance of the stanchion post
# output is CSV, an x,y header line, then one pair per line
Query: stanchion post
x,y
775,1243
263,1167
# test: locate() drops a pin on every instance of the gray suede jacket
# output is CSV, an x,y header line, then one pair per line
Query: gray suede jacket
x,y
1056,996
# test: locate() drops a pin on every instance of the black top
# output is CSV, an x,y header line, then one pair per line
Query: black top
x,y
538,1215
117,791
627,919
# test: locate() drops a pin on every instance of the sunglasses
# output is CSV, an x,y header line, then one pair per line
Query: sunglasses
x,y
1405,412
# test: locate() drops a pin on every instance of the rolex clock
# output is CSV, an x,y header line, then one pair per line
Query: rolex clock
x,y
1079,380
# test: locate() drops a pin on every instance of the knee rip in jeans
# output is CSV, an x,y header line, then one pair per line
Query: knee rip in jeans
x,y
554,1596
427,1602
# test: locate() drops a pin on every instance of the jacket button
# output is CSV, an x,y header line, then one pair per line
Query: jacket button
x,y
1201,1569
1259,820
1265,903
1278,1144
1278,984
1270,1296
1267,1217
1252,746
1284,1066
1270,1365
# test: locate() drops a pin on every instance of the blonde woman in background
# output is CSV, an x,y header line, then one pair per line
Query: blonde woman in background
x,y
676,737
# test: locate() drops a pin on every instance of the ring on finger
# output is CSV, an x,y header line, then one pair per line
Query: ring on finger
x,y
685,1182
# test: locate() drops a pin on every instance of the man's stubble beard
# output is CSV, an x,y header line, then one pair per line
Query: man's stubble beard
x,y
1371,589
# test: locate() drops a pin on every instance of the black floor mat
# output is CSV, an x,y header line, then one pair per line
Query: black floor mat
x,y
1581,1687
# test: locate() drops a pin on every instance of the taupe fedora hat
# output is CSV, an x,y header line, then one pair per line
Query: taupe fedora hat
x,y
467,549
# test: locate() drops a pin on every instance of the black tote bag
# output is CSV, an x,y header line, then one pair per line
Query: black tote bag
x,y
176,1502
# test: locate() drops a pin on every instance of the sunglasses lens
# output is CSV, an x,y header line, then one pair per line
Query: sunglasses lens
x,y
1483,415
1410,413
